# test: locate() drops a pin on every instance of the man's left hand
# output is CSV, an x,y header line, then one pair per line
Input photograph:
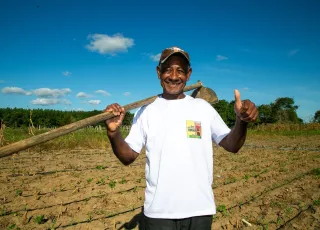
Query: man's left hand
x,y
245,110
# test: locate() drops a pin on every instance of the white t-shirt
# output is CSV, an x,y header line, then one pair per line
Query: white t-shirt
x,y
178,137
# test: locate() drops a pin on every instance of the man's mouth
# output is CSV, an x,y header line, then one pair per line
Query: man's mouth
x,y
173,83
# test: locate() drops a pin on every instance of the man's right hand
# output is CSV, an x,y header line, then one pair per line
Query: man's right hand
x,y
119,112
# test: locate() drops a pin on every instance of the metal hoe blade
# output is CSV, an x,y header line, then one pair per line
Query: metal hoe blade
x,y
205,93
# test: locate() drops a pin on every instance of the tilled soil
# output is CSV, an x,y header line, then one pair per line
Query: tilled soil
x,y
272,183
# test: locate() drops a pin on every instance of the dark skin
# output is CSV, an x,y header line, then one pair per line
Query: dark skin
x,y
173,76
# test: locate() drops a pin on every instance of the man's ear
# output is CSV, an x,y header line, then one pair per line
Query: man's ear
x,y
189,73
158,71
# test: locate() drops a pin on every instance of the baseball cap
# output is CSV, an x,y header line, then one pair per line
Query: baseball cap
x,y
168,52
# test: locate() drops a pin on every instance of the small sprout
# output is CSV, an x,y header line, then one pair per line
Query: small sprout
x,y
316,171
246,177
112,184
316,202
222,208
89,180
101,182
100,167
12,226
18,192
40,219
90,217
123,181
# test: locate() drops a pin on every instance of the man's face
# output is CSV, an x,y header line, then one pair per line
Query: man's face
x,y
173,75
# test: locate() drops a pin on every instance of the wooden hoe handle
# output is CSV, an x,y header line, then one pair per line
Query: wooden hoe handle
x,y
41,138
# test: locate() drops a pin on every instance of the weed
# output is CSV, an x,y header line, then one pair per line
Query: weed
x,y
316,172
246,177
12,226
222,208
123,181
288,210
40,219
18,192
100,167
101,182
316,202
62,188
135,189
89,217
89,180
230,180
112,184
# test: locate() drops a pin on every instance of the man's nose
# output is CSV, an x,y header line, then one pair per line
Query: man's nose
x,y
174,74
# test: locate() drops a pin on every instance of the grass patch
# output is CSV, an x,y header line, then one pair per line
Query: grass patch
x,y
82,138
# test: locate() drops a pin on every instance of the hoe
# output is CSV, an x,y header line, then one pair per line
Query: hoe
x,y
199,92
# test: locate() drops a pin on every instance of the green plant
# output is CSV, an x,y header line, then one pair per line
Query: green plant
x,y
316,202
123,181
101,182
89,180
18,192
112,184
246,177
89,217
12,226
100,167
288,210
222,208
39,219
230,180
316,172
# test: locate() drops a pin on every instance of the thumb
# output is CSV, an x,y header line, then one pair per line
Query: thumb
x,y
238,103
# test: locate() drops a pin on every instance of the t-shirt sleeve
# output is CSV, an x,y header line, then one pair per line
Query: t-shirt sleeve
x,y
136,136
219,129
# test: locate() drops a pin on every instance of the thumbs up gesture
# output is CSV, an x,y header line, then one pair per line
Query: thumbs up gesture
x,y
245,110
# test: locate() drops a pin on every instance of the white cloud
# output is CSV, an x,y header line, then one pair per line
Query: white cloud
x,y
66,102
15,90
82,95
127,94
45,101
67,73
245,88
221,58
46,92
94,102
105,44
104,93
293,52
155,57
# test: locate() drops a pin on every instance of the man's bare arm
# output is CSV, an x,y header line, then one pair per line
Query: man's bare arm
x,y
246,111
120,148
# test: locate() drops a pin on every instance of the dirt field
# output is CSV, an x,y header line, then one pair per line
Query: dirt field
x,y
273,183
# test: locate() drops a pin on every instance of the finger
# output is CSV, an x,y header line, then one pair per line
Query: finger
x,y
238,103
252,116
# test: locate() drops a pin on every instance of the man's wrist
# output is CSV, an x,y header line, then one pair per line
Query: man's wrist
x,y
112,133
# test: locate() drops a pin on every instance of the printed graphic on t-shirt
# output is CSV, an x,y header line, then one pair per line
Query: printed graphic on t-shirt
x,y
193,129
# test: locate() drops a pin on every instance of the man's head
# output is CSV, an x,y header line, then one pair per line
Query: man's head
x,y
174,71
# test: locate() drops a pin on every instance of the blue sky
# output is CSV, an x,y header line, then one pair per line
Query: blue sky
x,y
84,55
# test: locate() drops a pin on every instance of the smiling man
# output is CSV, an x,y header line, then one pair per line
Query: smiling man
x,y
177,131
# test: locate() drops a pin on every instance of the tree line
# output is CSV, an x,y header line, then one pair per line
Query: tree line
x,y
46,118
282,110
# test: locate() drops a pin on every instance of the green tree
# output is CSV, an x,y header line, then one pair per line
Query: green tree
x,y
283,110
316,117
